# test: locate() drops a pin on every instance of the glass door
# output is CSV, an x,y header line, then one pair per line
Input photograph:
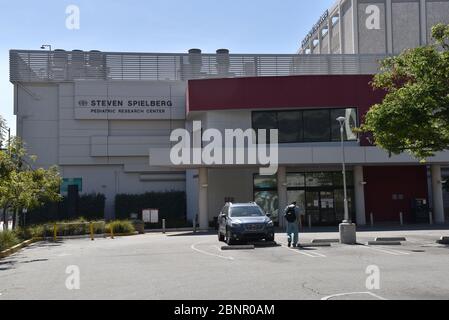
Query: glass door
x,y
327,208
313,206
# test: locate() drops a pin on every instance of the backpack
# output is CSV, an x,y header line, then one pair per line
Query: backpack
x,y
290,215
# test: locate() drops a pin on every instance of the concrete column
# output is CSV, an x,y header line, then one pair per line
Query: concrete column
x,y
389,26
340,30
359,190
355,25
282,192
423,16
437,190
203,214
329,34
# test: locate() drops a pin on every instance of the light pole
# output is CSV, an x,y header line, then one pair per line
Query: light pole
x,y
46,46
342,121
347,228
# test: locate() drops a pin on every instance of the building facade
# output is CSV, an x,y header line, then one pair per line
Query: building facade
x,y
106,119
375,26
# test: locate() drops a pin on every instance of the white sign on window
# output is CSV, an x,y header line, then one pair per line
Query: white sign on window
x,y
150,215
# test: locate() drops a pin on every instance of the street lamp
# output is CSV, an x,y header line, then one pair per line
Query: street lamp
x,y
46,46
347,228
342,121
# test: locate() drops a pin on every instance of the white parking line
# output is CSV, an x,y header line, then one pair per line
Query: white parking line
x,y
387,251
353,293
193,247
308,254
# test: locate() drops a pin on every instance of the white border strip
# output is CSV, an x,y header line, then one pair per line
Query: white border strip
x,y
309,254
193,247
353,293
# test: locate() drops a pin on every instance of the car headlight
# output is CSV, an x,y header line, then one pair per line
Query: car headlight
x,y
235,224
270,224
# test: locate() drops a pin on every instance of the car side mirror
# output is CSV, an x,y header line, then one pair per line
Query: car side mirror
x,y
269,215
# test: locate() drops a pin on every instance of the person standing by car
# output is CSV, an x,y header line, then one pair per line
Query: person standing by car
x,y
293,216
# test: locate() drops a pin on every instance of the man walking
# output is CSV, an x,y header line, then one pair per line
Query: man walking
x,y
293,217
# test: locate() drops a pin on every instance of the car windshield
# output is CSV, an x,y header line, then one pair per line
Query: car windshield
x,y
249,211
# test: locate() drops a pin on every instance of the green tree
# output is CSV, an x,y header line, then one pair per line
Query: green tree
x,y
21,185
414,115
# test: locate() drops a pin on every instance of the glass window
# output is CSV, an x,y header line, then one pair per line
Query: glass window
x,y
265,182
290,126
317,125
247,211
349,114
269,202
265,120
338,179
319,179
296,180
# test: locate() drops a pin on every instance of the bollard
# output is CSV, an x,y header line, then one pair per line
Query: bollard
x,y
372,219
310,222
112,231
55,232
163,226
430,217
401,218
91,227
194,224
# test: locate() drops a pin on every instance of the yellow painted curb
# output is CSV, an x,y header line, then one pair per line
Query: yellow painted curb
x,y
17,247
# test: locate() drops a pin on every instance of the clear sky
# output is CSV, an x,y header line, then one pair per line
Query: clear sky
x,y
244,26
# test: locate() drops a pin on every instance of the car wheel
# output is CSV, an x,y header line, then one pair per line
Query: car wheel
x,y
221,237
269,238
229,240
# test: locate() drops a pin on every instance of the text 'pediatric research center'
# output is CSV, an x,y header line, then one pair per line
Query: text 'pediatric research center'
x,y
106,118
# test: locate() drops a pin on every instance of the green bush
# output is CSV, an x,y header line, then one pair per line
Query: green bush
x,y
120,226
90,206
172,206
78,227
8,239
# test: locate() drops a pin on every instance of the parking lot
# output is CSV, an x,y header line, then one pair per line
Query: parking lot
x,y
193,266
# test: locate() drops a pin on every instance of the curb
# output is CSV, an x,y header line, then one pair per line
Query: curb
x,y
18,247
400,239
96,236
317,241
243,247
314,245
384,243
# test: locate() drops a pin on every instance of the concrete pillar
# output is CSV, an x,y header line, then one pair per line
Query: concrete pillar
x,y
355,25
437,190
282,193
423,18
203,214
389,26
359,190
340,30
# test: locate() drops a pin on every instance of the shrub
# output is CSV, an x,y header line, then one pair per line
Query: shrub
x,y
8,239
78,227
90,206
172,206
120,226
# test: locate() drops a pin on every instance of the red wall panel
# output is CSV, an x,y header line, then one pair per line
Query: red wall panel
x,y
384,182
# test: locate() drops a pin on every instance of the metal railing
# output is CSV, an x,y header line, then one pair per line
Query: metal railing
x,y
60,65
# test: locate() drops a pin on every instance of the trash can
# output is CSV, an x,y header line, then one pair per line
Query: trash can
x,y
139,225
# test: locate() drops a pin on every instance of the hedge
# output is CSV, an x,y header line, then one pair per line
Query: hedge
x,y
171,205
90,206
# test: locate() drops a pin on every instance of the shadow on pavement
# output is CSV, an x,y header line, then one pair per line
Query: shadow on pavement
x,y
190,234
